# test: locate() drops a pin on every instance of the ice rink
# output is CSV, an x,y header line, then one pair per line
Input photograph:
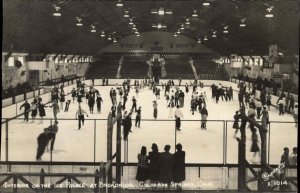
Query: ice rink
x,y
214,145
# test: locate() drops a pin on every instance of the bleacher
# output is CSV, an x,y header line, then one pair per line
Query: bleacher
x,y
105,66
209,70
178,66
134,67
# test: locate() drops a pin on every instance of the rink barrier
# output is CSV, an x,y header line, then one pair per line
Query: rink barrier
x,y
211,176
4,154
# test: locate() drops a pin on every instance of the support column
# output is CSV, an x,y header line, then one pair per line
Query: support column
x,y
109,149
242,158
118,150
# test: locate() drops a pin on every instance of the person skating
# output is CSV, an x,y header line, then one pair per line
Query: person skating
x,y
91,103
62,99
134,106
138,117
26,106
55,108
254,146
52,130
265,118
67,105
73,94
204,114
33,109
99,102
42,141
258,106
80,115
178,115
236,123
155,105
124,101
127,124
269,103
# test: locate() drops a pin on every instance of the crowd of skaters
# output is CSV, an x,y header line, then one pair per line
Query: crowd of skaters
x,y
175,98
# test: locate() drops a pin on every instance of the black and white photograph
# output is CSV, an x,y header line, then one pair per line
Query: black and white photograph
x,y
130,96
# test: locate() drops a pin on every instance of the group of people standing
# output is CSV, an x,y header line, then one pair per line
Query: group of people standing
x,y
161,168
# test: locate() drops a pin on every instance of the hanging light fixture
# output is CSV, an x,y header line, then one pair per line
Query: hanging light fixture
x,y
109,38
199,41
102,34
214,35
138,35
269,13
93,30
195,13
115,40
175,34
225,30
178,32
130,21
136,32
205,38
119,3
206,4
187,21
243,24
126,14
79,23
57,12
182,26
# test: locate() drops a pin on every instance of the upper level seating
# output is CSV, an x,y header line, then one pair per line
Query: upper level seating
x,y
176,68
209,70
105,66
134,66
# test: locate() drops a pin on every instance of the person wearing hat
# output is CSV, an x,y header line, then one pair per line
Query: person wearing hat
x,y
178,114
127,123
179,165
166,163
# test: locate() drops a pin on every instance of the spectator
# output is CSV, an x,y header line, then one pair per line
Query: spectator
x,y
154,164
142,172
293,157
166,163
285,157
254,147
179,165
236,123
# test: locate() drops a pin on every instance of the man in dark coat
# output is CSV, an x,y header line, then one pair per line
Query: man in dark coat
x,y
42,140
166,166
26,106
127,123
179,165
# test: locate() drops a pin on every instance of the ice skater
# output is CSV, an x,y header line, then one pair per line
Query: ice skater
x,y
99,102
155,105
204,114
26,106
67,105
138,117
254,146
80,115
33,110
42,140
178,115
236,123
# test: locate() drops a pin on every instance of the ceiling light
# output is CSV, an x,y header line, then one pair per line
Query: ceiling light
x,y
57,13
161,11
182,27
79,23
214,35
136,32
138,35
205,38
119,3
206,4
175,34
130,21
126,14
269,13
93,30
225,30
134,28
195,13
115,40
199,41
178,32
187,22
280,53
159,26
109,38
243,24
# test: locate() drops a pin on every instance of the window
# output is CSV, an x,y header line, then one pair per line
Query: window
x,y
11,62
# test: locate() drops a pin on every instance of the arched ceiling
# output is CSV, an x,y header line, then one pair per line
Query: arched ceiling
x,y
29,26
